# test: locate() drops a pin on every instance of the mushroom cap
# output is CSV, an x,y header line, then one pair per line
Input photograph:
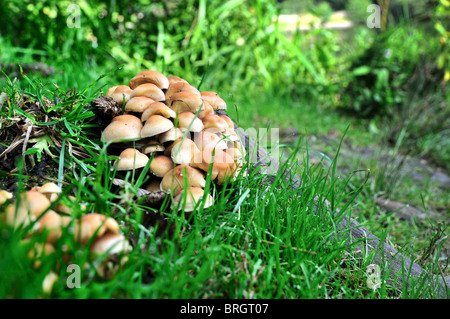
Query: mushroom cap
x,y
94,224
111,243
190,198
131,158
138,104
160,165
185,102
207,109
111,90
149,76
180,87
154,185
121,92
174,79
152,146
32,205
157,108
228,120
189,121
214,122
124,127
4,196
149,90
175,179
61,207
171,135
206,139
184,151
156,124
50,222
219,160
50,190
214,99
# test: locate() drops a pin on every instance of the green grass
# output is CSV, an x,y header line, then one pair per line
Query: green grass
x,y
257,241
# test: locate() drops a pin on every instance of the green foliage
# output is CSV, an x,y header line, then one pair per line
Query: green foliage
x,y
442,26
191,38
379,78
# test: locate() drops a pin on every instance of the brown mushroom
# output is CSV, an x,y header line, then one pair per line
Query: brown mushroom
x,y
160,165
130,159
189,199
156,124
184,151
180,87
149,76
124,127
149,90
185,102
214,99
215,123
31,205
121,94
157,108
50,190
175,179
94,224
138,104
189,121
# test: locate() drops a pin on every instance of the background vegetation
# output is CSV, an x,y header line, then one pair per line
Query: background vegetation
x,y
389,88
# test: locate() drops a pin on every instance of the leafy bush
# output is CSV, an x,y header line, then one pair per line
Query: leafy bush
x,y
379,77
231,44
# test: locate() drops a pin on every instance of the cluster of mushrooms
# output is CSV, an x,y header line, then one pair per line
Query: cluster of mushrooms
x,y
182,131
38,208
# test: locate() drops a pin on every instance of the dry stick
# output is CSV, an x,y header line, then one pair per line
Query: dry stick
x,y
400,271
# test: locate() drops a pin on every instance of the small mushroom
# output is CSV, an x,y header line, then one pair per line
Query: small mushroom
x,y
94,224
156,124
207,109
5,196
149,76
124,127
180,87
130,159
149,90
160,165
51,223
171,135
157,108
214,99
49,282
189,121
215,123
154,185
217,159
32,205
184,151
175,79
206,139
50,190
138,104
190,198
110,247
175,179
185,102
121,93
152,146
